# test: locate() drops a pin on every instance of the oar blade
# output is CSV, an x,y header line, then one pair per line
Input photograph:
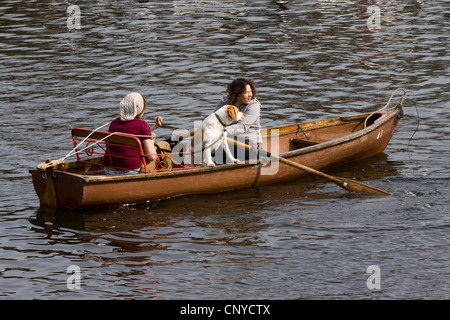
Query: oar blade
x,y
361,188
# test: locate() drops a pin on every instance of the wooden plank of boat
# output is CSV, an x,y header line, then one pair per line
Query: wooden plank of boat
x,y
317,144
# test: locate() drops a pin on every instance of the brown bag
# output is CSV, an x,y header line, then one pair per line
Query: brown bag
x,y
163,160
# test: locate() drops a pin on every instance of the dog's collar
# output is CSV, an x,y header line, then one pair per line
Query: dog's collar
x,y
220,120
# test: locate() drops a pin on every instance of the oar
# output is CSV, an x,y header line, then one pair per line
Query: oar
x,y
348,184
183,136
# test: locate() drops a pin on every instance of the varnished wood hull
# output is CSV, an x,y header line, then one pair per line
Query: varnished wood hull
x,y
337,141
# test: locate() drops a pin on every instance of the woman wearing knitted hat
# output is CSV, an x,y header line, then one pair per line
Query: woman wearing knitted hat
x,y
127,160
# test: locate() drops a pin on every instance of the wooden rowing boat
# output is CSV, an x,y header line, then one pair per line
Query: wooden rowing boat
x,y
319,144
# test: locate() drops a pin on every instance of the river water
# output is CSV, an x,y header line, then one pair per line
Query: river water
x,y
305,239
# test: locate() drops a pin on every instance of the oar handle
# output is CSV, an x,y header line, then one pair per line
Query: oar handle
x,y
186,135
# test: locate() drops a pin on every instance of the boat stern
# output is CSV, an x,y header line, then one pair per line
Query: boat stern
x,y
45,187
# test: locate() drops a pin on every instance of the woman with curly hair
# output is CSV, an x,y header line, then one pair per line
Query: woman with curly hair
x,y
242,94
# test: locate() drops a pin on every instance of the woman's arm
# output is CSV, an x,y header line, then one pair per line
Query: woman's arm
x,y
252,114
149,149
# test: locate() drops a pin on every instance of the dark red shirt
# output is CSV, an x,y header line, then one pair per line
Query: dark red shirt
x,y
125,157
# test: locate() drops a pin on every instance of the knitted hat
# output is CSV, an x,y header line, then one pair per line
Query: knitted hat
x,y
131,106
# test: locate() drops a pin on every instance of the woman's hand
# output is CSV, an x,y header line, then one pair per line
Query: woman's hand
x,y
158,123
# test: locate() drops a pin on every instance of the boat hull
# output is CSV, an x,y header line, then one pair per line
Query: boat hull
x,y
337,141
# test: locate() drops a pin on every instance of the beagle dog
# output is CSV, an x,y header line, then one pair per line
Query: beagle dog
x,y
214,133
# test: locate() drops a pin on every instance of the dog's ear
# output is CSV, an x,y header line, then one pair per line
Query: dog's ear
x,y
233,112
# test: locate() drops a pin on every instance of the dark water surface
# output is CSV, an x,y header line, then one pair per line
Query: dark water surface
x,y
305,239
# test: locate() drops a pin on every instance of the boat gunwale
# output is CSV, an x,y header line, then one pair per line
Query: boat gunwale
x,y
385,117
381,121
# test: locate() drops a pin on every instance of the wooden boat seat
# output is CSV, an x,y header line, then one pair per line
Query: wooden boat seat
x,y
297,143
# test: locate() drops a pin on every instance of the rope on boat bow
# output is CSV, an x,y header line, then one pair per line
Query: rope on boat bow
x,y
380,110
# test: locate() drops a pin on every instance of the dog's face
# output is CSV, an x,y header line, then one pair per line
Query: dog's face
x,y
234,113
